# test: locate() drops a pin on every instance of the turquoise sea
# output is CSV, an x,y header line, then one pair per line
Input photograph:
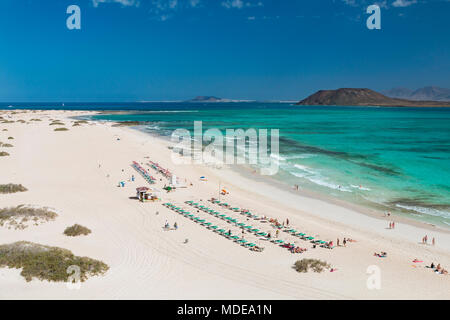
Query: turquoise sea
x,y
391,159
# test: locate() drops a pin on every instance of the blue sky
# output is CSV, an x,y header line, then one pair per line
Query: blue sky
x,y
129,50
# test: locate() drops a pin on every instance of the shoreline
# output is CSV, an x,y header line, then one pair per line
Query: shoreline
x,y
304,192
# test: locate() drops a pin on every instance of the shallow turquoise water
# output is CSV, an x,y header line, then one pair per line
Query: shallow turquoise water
x,y
395,159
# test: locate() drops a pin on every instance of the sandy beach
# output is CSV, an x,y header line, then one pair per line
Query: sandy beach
x,y
76,173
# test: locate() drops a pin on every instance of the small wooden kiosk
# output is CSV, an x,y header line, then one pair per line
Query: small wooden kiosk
x,y
145,194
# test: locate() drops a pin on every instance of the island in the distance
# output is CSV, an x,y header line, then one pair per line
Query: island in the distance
x,y
363,97
206,99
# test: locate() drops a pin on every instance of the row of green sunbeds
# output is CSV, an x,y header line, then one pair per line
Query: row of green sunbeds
x,y
228,219
293,232
212,227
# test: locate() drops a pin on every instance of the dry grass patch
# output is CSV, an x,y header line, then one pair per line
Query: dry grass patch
x,y
61,129
21,216
316,265
77,230
47,263
12,188
4,154
6,145
10,138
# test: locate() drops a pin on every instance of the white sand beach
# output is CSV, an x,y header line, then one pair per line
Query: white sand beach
x,y
77,172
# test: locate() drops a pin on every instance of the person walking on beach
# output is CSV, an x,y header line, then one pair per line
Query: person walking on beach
x,y
337,242
345,242
433,241
277,232
426,239
175,226
390,225
287,222
393,225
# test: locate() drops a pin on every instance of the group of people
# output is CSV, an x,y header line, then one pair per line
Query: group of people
x,y
425,240
381,255
392,225
167,226
293,249
438,268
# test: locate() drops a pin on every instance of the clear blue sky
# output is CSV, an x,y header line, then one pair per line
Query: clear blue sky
x,y
130,50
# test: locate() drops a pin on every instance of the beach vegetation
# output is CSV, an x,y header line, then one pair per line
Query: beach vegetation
x,y
10,138
58,123
6,145
4,154
47,263
77,230
12,188
61,129
21,216
304,265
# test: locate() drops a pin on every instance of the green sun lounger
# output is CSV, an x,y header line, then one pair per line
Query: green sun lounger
x,y
234,237
213,227
207,224
262,234
254,230
251,245
279,241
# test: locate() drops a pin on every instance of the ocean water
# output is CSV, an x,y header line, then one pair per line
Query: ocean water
x,y
390,159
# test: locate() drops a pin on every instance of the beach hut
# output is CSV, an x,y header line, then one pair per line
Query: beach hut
x,y
145,194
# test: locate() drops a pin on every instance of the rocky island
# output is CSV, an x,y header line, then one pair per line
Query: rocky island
x,y
363,97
